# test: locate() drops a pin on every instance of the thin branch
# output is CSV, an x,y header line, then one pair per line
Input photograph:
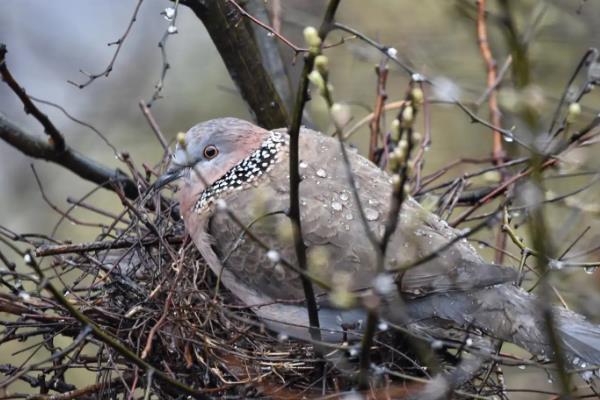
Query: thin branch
x,y
498,153
119,42
498,190
78,121
162,45
294,133
53,250
56,138
77,163
272,31
154,126
79,393
375,125
390,52
484,47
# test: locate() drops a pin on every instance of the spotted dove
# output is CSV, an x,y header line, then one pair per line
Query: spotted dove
x,y
232,167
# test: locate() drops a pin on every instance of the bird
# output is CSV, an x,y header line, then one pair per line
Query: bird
x,y
234,185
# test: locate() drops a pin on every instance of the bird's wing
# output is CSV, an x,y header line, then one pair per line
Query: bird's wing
x,y
338,250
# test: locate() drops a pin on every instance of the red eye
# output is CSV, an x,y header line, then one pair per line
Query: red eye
x,y
210,151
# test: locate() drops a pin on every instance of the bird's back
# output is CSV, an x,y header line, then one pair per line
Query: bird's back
x,y
338,250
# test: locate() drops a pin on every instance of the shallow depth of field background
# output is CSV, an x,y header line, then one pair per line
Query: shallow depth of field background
x,y
48,42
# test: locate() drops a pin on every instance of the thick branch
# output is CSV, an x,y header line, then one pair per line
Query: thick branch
x,y
271,54
77,163
235,42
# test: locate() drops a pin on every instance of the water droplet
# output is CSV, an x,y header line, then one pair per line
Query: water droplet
x,y
383,326
172,29
556,264
521,367
384,284
303,164
273,256
349,217
587,376
392,53
437,344
508,137
347,227
418,77
168,13
344,196
371,214
336,206
25,296
321,173
270,34
371,202
590,270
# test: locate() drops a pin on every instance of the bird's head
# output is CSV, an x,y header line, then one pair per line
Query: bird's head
x,y
210,150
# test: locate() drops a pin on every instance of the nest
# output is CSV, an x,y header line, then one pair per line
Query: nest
x,y
144,314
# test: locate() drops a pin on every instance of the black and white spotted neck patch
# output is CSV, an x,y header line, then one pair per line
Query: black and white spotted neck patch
x,y
250,168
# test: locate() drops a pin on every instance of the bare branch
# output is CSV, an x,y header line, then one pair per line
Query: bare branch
x,y
77,163
119,42
56,139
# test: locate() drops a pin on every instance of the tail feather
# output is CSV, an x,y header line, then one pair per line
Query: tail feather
x,y
513,315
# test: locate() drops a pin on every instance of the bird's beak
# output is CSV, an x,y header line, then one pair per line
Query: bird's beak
x,y
172,174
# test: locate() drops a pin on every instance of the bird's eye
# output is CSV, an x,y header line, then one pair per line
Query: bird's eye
x,y
210,151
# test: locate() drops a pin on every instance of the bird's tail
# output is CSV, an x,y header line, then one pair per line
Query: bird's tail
x,y
513,315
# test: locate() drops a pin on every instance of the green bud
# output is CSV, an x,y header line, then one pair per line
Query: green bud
x,y
492,177
341,298
311,36
417,137
340,114
410,167
396,181
395,130
395,159
181,139
408,115
340,295
322,64
402,146
417,96
573,112
317,79
393,162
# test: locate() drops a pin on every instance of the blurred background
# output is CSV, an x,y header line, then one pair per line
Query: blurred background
x,y
49,42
